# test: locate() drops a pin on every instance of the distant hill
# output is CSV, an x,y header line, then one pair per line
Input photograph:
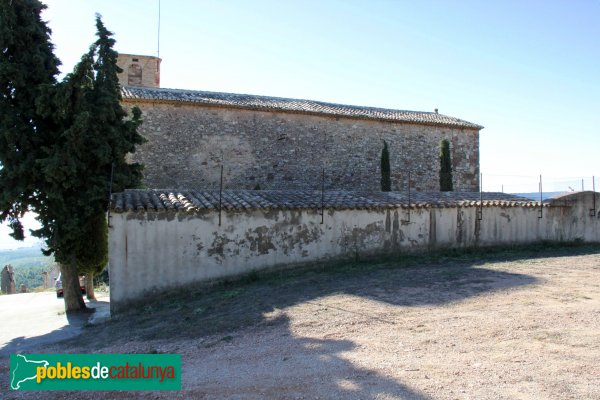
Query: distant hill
x,y
25,257
29,263
536,195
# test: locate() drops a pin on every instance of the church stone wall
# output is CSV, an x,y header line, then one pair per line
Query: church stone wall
x,y
278,150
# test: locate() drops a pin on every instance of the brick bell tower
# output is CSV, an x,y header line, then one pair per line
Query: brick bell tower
x,y
139,70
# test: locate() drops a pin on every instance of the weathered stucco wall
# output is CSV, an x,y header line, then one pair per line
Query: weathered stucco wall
x,y
278,150
152,251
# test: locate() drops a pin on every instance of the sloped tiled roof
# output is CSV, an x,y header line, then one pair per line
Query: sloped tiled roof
x,y
265,103
140,200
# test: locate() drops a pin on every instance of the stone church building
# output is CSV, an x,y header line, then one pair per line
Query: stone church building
x,y
280,143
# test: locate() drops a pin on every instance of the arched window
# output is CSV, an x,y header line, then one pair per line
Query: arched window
x,y
134,75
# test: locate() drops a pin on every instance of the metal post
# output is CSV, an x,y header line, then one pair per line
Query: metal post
x,y
409,199
221,195
480,208
593,210
158,36
541,210
323,196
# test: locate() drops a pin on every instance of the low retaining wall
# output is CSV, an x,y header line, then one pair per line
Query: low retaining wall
x,y
154,248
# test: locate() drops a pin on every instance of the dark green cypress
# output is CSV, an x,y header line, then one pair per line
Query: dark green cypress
x,y
93,259
119,130
386,180
27,65
445,166
59,142
66,167
94,133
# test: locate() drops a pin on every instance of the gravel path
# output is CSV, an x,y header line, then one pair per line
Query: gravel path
x,y
521,329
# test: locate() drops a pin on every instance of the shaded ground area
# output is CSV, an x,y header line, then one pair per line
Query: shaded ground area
x,y
32,320
515,324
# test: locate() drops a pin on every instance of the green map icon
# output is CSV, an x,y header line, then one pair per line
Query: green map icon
x,y
95,372
23,369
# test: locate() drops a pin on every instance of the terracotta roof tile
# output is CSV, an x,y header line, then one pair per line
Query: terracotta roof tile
x,y
265,103
200,200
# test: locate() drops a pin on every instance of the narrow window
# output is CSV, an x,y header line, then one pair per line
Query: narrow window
x,y
134,75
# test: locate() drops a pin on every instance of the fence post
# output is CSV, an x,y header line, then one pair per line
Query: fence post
x,y
480,208
541,210
409,198
323,196
593,210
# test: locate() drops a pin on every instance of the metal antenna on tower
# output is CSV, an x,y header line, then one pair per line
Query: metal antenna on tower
x,y
158,39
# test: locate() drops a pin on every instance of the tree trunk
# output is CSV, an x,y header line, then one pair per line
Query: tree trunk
x,y
71,288
89,286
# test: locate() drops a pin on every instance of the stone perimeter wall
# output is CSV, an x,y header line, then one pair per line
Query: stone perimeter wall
x,y
277,150
151,251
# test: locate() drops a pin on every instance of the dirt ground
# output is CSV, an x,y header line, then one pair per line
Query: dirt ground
x,y
515,325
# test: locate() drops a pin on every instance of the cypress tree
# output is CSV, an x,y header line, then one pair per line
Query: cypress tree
x,y
59,142
386,180
93,135
117,129
64,165
93,259
27,65
445,166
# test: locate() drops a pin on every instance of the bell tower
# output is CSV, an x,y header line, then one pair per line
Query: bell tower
x,y
139,70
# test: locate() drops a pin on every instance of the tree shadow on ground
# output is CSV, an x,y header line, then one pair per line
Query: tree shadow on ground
x,y
196,312
75,323
297,366
408,281
300,368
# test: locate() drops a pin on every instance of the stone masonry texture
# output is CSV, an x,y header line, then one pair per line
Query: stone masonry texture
x,y
187,143
139,70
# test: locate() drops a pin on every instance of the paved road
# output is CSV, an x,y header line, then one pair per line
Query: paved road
x,y
29,320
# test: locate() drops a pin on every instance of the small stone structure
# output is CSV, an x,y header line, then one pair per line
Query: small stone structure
x,y
139,70
161,239
45,280
8,280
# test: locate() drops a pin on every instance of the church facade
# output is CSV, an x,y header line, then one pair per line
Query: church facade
x,y
279,143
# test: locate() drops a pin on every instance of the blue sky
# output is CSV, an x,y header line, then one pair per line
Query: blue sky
x,y
528,71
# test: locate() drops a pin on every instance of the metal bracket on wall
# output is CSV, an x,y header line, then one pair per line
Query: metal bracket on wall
x,y
593,209
541,210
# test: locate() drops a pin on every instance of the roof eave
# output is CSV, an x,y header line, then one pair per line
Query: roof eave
x,y
135,99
